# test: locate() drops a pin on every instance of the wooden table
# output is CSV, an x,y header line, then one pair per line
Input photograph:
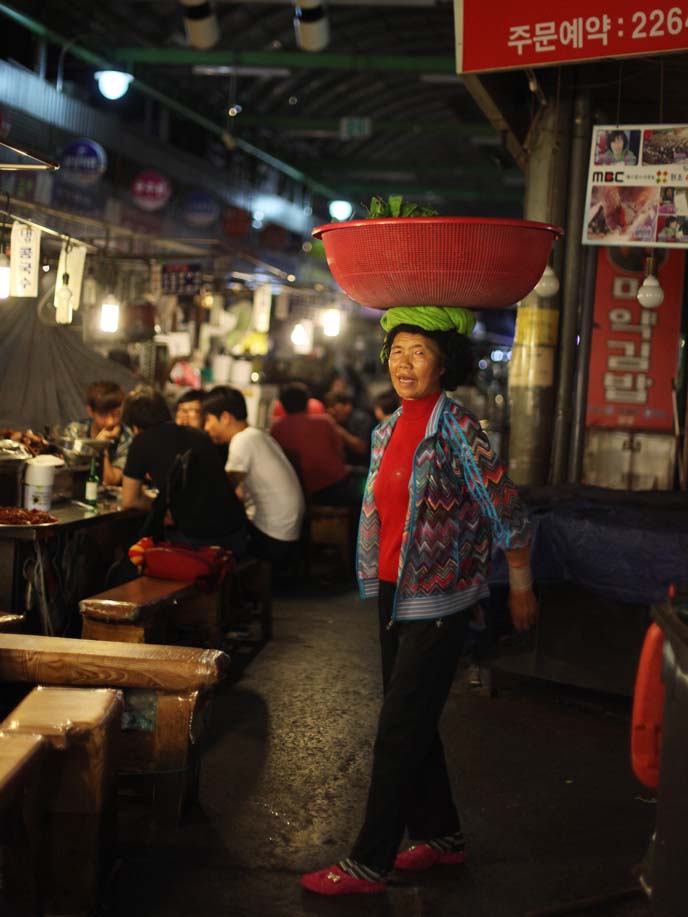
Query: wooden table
x,y
46,569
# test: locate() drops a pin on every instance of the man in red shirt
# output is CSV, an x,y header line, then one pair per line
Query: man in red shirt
x,y
313,445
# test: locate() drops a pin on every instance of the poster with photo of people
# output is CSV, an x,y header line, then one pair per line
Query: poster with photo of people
x,y
637,191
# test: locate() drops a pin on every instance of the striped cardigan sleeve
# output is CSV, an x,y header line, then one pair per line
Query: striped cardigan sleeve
x,y
488,482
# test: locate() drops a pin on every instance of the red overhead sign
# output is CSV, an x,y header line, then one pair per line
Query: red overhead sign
x,y
634,355
503,35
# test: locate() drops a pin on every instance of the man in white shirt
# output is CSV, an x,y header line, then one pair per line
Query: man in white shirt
x,y
262,474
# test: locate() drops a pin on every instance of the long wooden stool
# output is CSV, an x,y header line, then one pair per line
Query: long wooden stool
x,y
167,692
136,612
81,727
149,610
20,821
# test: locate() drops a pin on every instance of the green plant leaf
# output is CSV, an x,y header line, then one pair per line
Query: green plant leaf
x,y
396,206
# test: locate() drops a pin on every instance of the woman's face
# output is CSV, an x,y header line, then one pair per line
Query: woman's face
x,y
415,365
618,144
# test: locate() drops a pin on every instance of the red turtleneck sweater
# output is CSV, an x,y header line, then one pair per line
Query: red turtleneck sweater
x,y
391,485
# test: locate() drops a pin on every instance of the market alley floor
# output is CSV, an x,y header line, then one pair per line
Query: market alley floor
x,y
551,811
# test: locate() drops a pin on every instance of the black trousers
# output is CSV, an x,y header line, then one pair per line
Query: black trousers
x,y
409,787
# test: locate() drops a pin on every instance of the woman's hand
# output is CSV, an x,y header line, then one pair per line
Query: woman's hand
x,y
524,608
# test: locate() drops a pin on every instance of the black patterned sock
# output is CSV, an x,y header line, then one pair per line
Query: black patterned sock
x,y
359,871
450,843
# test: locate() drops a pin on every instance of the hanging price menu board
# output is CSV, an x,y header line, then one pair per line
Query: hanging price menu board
x,y
503,35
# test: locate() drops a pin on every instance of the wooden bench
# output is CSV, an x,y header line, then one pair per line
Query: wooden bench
x,y
80,727
12,624
332,526
249,587
20,821
149,610
167,692
136,612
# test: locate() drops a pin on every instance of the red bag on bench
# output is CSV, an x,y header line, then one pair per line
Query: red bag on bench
x,y
207,566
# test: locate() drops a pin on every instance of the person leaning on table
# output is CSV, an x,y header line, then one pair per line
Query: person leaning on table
x,y
436,498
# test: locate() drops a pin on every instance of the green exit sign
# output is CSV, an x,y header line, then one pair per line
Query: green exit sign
x,y
355,128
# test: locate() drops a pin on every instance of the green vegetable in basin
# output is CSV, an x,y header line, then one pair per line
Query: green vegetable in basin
x,y
396,206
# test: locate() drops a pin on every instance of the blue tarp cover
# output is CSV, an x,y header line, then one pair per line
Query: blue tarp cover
x,y
624,547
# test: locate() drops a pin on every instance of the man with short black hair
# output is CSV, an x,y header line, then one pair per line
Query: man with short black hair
x,y
311,441
188,410
205,510
104,422
261,472
353,426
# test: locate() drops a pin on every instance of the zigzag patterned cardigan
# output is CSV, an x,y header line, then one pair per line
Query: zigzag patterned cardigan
x,y
460,501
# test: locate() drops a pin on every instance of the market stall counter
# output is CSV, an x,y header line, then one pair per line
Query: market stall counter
x,y
46,568
601,558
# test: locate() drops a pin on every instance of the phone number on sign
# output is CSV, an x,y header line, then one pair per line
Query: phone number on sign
x,y
548,36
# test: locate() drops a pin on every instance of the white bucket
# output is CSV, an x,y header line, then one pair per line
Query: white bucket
x,y
222,368
39,476
241,372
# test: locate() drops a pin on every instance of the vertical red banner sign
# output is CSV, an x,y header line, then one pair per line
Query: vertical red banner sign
x,y
634,353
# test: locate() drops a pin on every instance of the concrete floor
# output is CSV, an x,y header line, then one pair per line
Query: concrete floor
x,y
551,810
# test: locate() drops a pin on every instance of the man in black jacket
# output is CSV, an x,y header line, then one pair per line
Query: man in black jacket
x,y
182,463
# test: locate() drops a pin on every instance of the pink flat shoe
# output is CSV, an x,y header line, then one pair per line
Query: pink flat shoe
x,y
423,856
333,881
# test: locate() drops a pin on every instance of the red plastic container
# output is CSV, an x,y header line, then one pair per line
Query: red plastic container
x,y
648,710
467,262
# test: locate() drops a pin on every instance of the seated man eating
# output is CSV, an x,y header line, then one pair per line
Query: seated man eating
x,y
104,422
194,496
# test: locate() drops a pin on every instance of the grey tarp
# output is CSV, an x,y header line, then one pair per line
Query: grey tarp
x,y
45,369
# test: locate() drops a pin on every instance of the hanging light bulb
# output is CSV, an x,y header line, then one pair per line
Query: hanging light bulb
x,y
109,314
113,84
90,289
650,295
207,298
331,322
63,302
299,335
548,284
4,275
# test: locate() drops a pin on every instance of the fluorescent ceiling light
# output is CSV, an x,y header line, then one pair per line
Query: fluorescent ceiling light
x,y
202,70
451,79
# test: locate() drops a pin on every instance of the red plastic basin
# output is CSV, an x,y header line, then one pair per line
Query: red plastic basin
x,y
468,262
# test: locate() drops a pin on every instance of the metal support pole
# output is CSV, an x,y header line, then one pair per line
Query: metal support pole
x,y
583,365
41,58
580,149
531,375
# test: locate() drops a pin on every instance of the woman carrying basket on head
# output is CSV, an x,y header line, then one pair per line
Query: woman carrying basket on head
x,y
436,498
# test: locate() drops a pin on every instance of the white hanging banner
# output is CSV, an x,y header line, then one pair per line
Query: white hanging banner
x,y
25,256
72,263
262,302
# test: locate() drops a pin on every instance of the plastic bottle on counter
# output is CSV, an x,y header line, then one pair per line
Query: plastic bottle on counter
x,y
92,484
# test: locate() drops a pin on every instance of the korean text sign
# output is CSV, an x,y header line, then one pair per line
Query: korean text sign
x,y
634,349
503,35
637,190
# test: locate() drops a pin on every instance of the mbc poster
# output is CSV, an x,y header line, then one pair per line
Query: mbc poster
x,y
638,186
634,353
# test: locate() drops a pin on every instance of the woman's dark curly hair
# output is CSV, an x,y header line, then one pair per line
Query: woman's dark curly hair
x,y
458,359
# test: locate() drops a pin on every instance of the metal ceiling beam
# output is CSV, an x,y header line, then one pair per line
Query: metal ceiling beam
x,y
96,60
495,115
384,168
332,125
293,60
450,192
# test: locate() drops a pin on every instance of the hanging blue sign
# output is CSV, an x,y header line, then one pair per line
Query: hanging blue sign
x,y
200,209
83,162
